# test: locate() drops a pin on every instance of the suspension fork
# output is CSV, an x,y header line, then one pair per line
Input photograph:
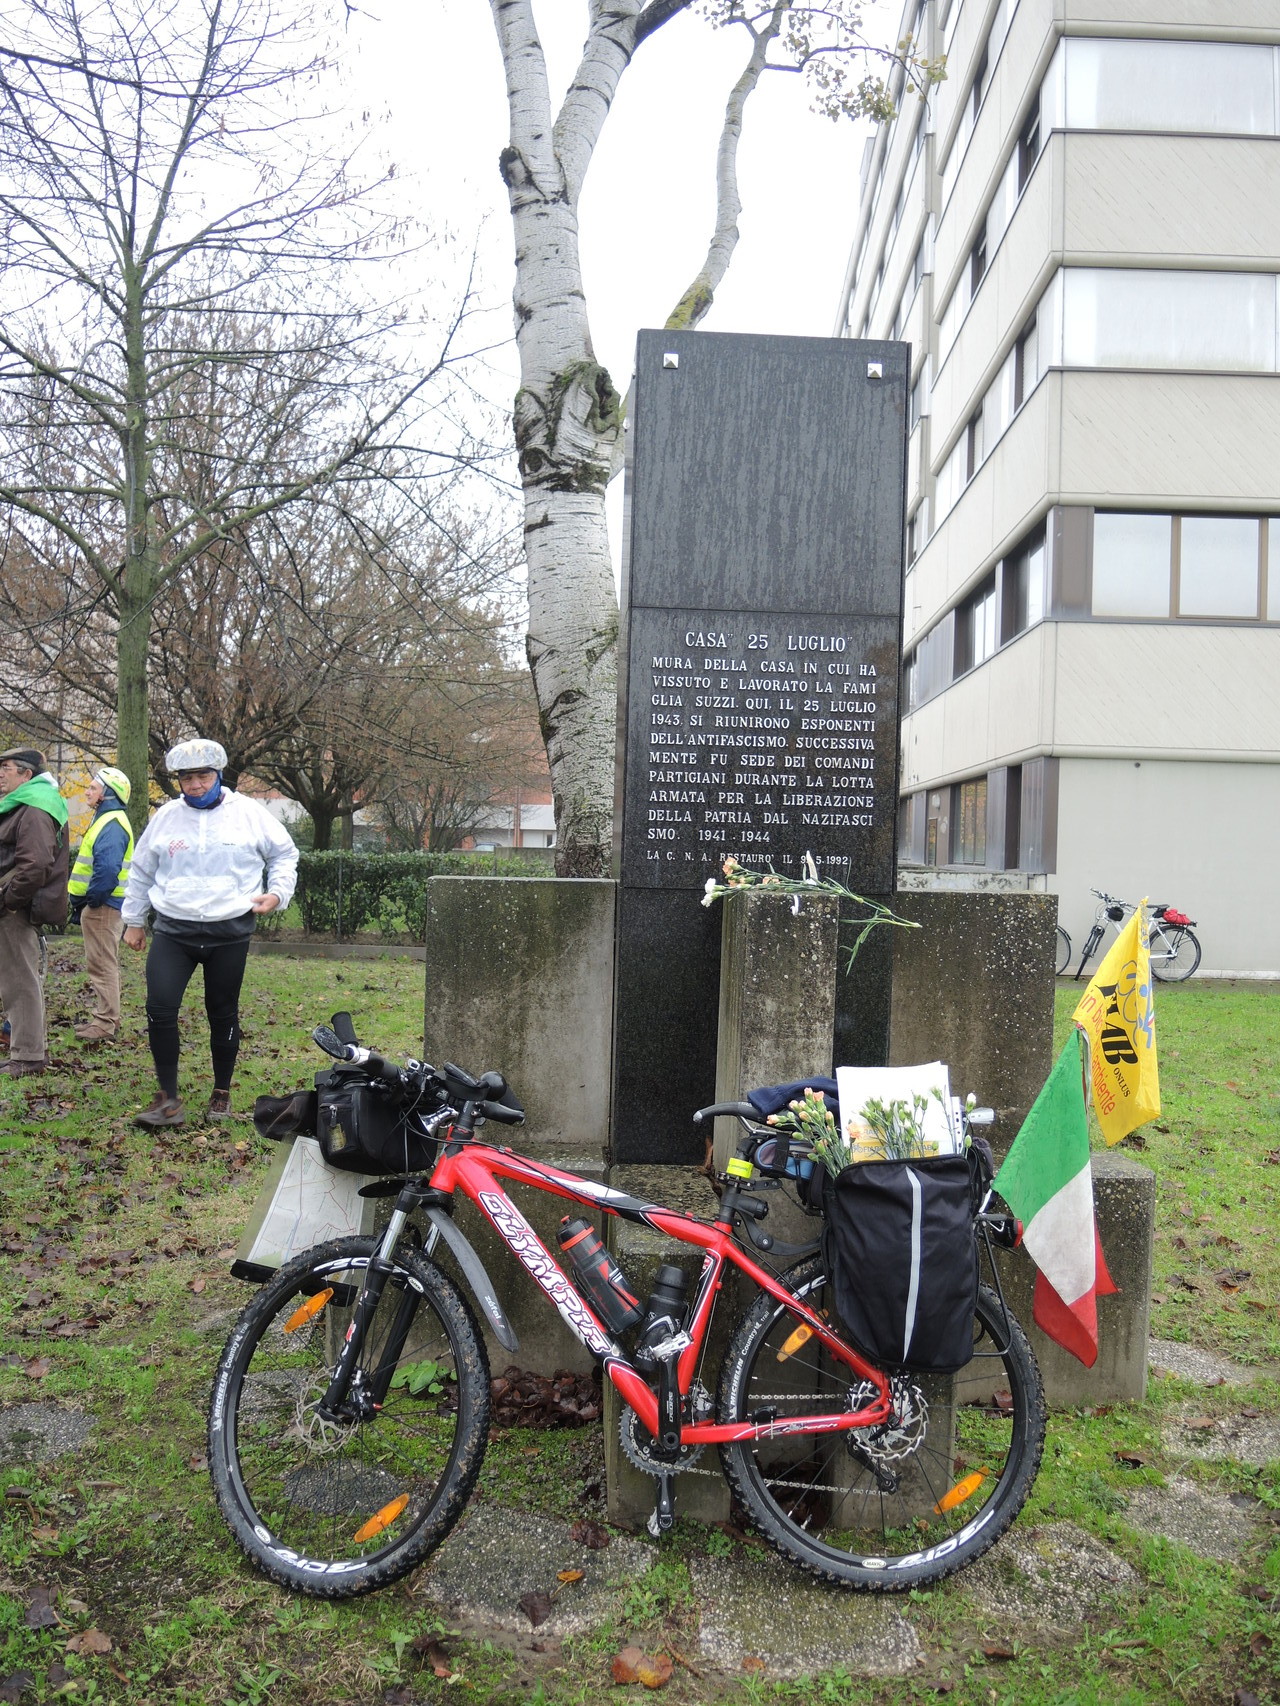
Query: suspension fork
x,y
381,1266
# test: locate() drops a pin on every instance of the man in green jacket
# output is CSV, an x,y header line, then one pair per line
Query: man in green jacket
x,y
97,885
33,891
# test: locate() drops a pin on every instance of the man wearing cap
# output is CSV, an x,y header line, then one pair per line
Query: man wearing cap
x,y
97,885
33,891
198,868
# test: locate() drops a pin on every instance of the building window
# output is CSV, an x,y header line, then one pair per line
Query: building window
x,y
969,812
1131,564
973,453
975,636
1194,567
1131,317
1218,566
1022,588
977,262
1028,146
1197,86
1027,372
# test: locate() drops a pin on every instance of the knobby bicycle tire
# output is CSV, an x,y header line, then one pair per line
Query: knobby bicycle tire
x,y
1175,952
336,1510
898,1507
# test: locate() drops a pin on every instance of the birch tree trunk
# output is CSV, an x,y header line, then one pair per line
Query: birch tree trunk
x,y
568,419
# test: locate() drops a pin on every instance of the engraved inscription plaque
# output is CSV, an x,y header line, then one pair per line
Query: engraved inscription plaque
x,y
760,735
758,676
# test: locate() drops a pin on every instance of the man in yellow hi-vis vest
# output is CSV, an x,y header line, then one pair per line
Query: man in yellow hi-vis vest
x,y
97,885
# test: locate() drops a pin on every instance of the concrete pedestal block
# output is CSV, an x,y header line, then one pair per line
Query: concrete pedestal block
x,y
701,1491
778,972
520,979
1124,1196
974,987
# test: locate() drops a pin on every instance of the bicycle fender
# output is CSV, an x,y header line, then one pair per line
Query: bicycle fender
x,y
477,1278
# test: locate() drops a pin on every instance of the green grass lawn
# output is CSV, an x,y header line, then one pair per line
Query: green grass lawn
x,y
114,1251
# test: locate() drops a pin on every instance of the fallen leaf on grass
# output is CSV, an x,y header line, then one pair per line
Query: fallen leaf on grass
x,y
198,1285
564,1577
995,1653
1131,1459
752,1665
1245,1697
37,1368
430,1652
198,1461
1200,1423
1258,1644
40,1609
588,1533
13,1687
42,1533
632,1665
90,1641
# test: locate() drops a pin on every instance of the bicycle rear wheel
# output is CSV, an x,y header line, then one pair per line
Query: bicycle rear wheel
x,y
1062,948
340,1508
890,1508
1175,952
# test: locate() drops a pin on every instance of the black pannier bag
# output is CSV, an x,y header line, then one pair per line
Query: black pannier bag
x,y
362,1127
900,1248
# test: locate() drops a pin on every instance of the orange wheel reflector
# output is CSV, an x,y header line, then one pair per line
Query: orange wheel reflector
x,y
961,1491
311,1307
801,1336
382,1519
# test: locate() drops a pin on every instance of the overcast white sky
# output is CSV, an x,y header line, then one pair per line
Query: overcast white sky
x,y
646,215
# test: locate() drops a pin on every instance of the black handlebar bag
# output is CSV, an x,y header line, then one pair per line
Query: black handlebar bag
x,y
901,1252
363,1128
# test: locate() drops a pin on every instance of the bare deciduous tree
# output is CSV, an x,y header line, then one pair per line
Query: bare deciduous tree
x,y
168,225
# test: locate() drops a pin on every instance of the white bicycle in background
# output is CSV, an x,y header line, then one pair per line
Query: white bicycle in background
x,y
1175,949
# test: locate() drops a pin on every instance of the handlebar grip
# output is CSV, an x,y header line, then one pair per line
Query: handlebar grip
x,y
743,1110
500,1112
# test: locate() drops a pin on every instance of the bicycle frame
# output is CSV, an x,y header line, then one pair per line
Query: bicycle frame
x,y
475,1168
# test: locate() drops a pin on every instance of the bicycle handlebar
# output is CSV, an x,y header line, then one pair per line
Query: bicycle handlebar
x,y
455,1084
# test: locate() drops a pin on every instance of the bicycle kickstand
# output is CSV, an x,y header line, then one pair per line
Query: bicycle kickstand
x,y
664,1509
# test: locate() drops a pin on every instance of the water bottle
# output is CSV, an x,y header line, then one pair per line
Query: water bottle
x,y
665,1315
597,1276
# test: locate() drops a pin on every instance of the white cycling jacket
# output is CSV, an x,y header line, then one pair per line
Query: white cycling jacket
x,y
208,865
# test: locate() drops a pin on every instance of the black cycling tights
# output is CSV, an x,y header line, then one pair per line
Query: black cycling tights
x,y
171,962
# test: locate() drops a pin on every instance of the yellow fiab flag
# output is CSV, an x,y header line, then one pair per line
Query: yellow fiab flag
x,y
1118,1017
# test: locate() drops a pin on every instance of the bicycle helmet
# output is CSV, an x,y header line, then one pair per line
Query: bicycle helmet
x,y
116,780
196,754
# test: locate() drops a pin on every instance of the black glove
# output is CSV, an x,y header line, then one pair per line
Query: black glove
x,y
77,907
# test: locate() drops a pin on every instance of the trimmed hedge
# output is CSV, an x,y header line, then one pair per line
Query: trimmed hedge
x,y
340,894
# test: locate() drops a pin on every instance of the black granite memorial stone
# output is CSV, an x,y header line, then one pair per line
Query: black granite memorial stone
x,y
759,669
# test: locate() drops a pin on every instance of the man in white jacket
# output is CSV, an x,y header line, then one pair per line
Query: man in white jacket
x,y
198,869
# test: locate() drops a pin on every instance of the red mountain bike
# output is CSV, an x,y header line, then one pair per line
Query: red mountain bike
x,y
350,1408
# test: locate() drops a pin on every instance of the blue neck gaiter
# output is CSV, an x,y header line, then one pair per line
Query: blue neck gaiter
x,y
203,802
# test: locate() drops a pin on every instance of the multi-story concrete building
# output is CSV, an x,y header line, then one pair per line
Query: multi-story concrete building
x,y
1079,235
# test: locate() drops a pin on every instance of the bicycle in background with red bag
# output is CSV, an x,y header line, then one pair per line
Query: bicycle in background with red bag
x,y
1175,948
350,1409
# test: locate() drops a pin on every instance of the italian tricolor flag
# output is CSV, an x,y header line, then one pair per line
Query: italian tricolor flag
x,y
1047,1182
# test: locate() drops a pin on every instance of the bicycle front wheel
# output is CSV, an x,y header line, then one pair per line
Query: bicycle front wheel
x,y
894,1507
339,1507
1175,952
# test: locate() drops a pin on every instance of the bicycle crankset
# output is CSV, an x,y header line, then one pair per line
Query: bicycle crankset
x,y
637,1441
